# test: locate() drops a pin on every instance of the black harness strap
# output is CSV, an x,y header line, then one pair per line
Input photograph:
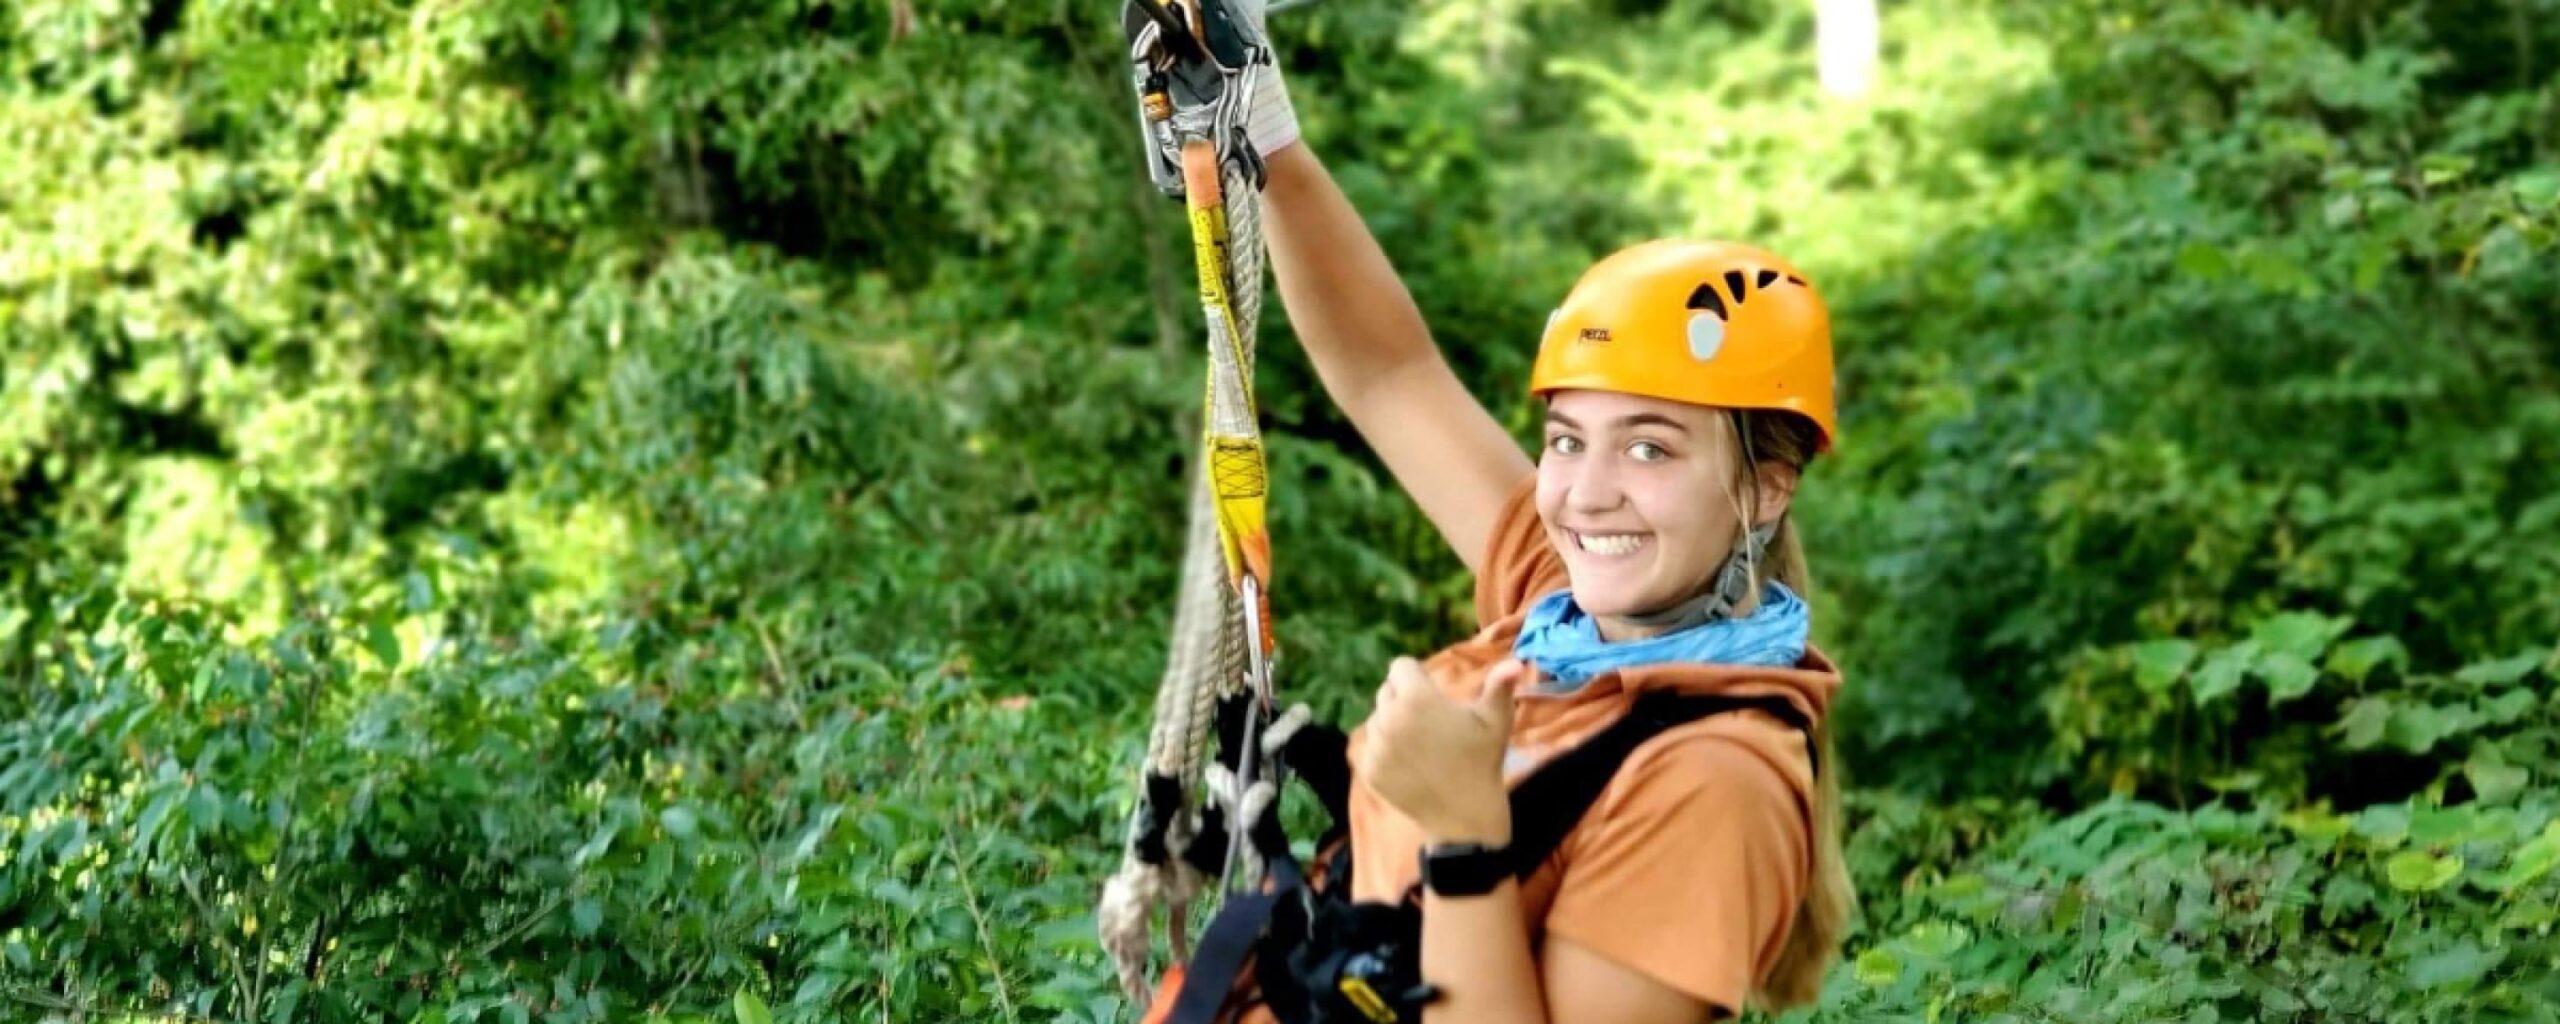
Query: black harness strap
x,y
1550,802
1320,754
1230,940
1224,946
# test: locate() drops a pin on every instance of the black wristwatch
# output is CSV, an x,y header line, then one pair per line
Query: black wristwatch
x,y
1464,869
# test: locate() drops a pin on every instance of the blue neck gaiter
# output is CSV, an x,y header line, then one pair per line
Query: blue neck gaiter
x,y
1565,643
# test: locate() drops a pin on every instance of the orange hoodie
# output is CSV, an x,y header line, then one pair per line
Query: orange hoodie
x,y
1691,865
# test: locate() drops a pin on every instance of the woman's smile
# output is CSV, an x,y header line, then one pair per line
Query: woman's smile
x,y
1609,545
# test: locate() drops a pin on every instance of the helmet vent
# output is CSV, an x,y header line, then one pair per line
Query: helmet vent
x,y
1766,278
1706,298
1798,281
1733,283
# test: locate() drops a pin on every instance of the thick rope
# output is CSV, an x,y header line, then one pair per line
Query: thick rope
x,y
1206,658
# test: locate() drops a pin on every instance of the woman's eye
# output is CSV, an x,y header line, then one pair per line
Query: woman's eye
x,y
1564,444
1647,451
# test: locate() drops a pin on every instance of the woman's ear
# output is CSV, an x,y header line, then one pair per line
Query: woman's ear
x,y
1777,488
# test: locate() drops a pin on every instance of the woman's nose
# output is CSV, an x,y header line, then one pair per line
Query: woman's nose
x,y
1594,487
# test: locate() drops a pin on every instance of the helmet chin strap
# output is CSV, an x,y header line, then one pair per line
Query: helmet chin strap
x,y
1717,602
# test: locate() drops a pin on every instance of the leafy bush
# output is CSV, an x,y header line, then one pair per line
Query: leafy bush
x,y
2130,911
2265,368
338,824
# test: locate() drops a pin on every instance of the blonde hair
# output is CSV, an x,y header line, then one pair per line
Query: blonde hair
x,y
1822,919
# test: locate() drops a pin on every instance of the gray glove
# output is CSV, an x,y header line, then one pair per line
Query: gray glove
x,y
1220,82
1269,121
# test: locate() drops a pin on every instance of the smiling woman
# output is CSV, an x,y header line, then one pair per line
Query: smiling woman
x,y
1535,833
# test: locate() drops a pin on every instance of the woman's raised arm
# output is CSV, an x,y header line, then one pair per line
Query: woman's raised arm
x,y
1369,345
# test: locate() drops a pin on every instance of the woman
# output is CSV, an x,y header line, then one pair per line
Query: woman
x,y
1647,549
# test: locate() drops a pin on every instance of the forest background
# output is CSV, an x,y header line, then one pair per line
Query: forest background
x,y
581,510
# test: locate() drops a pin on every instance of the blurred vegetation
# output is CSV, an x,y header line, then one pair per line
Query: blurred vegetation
x,y
592,510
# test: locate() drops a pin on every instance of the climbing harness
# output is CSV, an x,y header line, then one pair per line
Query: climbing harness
x,y
1195,63
1301,950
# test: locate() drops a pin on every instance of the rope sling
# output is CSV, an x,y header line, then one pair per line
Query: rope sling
x,y
1195,63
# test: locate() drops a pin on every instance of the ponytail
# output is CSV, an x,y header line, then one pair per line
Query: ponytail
x,y
1822,919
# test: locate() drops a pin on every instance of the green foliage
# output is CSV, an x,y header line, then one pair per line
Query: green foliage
x,y
2264,369
2128,911
615,510
329,825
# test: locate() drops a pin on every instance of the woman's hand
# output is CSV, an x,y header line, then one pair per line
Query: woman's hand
x,y
1270,121
1439,761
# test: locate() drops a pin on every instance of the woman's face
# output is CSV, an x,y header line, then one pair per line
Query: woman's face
x,y
1636,493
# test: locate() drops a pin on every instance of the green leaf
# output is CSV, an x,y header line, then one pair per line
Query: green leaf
x,y
2500,672
2159,664
2506,707
2494,825
2242,780
659,866
2373,257
154,815
679,821
2305,635
2442,826
2443,168
595,846
2365,722
2538,189
1065,933
2531,861
2493,778
286,1003
2315,822
898,894
2198,259
2417,729
1878,968
2420,871
2222,672
2356,659
418,594
385,645
2288,676
204,810
2275,271
2346,894
586,915
2386,825
1937,940
751,1010
1962,885
2463,964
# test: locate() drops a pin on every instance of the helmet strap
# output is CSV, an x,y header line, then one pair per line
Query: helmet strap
x,y
1731,588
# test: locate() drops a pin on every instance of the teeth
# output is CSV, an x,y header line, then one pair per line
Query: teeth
x,y
1609,543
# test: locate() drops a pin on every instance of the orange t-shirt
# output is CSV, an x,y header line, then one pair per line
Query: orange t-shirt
x,y
1690,866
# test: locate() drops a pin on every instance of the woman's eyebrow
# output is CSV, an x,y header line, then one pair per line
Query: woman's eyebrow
x,y
1653,419
1641,419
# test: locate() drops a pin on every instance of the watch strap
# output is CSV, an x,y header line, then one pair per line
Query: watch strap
x,y
1465,869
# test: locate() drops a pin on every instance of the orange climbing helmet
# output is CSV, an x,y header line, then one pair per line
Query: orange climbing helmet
x,y
1708,323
